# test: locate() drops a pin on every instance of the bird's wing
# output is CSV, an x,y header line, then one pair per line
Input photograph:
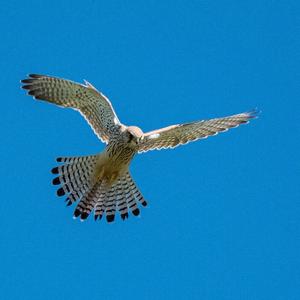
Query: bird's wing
x,y
93,105
175,135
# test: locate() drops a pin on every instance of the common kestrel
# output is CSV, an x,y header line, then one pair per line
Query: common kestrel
x,y
102,183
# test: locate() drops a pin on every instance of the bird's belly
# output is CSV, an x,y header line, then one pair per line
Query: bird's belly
x,y
109,169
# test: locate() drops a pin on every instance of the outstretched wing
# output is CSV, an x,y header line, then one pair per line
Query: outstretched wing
x,y
175,135
93,105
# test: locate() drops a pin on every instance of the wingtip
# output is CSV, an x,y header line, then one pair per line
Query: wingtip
x,y
33,75
253,114
26,87
26,83
31,78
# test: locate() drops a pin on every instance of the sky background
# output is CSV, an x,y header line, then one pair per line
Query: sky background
x,y
223,215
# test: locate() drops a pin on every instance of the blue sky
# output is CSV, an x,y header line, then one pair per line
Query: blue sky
x,y
223,220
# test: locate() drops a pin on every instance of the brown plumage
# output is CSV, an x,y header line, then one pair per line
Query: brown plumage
x,y
102,183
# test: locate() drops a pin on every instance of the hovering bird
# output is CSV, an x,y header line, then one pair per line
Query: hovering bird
x,y
102,183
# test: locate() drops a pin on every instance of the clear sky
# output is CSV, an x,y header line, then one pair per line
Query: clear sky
x,y
223,215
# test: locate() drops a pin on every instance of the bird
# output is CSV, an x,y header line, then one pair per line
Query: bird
x,y
102,183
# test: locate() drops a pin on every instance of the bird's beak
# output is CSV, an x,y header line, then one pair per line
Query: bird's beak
x,y
139,140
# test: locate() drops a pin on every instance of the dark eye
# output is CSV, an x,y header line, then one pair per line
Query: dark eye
x,y
130,137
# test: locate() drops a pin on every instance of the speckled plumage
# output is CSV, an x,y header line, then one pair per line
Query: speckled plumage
x,y
102,183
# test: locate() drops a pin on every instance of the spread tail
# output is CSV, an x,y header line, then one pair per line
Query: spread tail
x,y
102,197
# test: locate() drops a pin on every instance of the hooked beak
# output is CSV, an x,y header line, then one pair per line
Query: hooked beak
x,y
139,140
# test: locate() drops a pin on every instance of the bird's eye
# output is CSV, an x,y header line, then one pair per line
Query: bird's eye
x,y
130,137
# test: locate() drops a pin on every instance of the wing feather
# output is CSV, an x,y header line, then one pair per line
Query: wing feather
x,y
175,135
92,104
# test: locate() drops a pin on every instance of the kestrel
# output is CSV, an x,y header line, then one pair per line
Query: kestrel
x,y
102,183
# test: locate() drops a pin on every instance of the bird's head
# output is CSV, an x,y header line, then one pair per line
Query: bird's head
x,y
132,135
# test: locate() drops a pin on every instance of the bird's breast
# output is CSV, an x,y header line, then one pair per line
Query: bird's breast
x,y
120,153
112,163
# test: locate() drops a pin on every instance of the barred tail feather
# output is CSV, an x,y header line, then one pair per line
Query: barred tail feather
x,y
87,202
134,189
121,196
102,197
131,201
111,203
100,204
122,200
74,176
129,196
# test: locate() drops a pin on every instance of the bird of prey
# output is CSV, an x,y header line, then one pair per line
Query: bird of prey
x,y
102,183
